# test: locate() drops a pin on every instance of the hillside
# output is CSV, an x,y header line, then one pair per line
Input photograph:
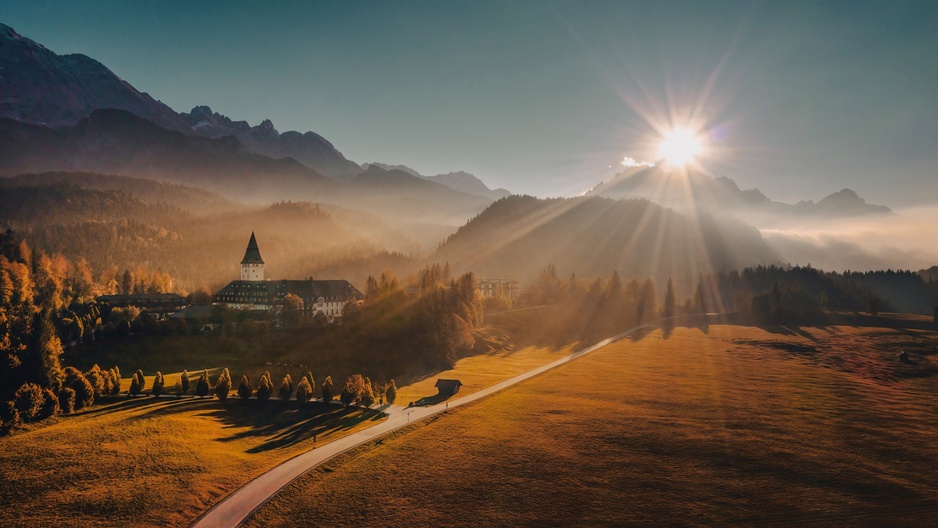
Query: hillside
x,y
518,236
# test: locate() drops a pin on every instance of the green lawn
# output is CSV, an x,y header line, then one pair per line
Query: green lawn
x,y
738,425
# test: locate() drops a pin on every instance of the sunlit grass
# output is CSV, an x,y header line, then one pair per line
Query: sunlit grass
x,y
736,426
153,461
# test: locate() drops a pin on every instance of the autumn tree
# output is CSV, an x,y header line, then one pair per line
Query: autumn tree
x,y
391,393
223,385
285,388
184,379
84,392
178,388
312,383
264,388
66,397
28,401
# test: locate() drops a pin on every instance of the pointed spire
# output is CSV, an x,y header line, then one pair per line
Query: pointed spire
x,y
252,255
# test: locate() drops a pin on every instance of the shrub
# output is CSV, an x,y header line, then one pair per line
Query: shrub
x,y
28,401
179,388
304,392
9,417
391,393
328,390
84,391
223,385
185,381
312,384
157,384
244,388
67,400
115,380
264,388
285,388
50,404
201,387
289,381
97,379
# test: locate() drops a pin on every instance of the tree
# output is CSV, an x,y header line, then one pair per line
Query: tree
x,y
201,386
292,310
303,391
284,393
157,384
50,404
9,417
116,380
328,391
28,401
353,390
312,384
179,388
127,283
223,385
264,388
141,380
185,381
97,380
367,395
66,400
135,387
244,388
84,392
391,393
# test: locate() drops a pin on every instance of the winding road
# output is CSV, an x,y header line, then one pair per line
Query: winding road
x,y
238,506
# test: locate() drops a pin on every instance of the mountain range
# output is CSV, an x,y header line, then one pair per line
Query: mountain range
x,y
687,188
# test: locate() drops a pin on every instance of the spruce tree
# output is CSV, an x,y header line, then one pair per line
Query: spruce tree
x,y
391,393
179,388
157,389
328,391
303,391
284,393
312,383
264,388
50,404
185,381
202,387
135,386
244,388
223,385
67,400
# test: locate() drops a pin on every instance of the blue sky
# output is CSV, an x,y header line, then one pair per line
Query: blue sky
x,y
799,99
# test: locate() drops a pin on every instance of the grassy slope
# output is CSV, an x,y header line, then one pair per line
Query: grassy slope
x,y
738,425
153,462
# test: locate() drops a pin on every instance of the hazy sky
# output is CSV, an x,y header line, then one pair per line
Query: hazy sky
x,y
799,99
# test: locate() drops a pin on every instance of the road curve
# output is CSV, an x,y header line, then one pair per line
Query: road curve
x,y
238,506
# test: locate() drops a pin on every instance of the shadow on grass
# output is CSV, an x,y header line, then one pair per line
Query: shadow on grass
x,y
286,423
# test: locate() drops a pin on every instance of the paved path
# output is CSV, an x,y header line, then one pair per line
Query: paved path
x,y
238,506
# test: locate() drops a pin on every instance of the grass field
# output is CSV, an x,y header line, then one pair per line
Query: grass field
x,y
738,425
153,461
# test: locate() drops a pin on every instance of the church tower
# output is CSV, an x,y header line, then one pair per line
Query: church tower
x,y
252,265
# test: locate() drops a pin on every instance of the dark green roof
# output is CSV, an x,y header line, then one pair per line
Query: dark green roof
x,y
252,255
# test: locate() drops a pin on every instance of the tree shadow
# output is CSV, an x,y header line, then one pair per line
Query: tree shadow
x,y
284,424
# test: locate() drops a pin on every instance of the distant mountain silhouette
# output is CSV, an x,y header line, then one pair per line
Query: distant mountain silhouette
x,y
518,236
308,148
689,189
40,87
458,181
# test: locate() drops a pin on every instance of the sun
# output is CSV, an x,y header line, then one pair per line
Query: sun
x,y
679,147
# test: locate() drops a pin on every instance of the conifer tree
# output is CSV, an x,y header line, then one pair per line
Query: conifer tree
x,y
185,381
223,385
391,393
312,384
303,391
328,391
179,388
135,386
84,392
367,396
284,392
66,400
28,401
244,388
264,388
140,379
157,384
50,404
202,386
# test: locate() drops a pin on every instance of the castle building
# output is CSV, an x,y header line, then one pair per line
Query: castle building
x,y
509,288
254,292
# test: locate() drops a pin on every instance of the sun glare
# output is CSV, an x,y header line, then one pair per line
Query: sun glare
x,y
679,147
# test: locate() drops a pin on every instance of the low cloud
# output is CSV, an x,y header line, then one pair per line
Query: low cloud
x,y
631,162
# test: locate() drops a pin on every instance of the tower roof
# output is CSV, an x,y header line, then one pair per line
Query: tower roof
x,y
252,255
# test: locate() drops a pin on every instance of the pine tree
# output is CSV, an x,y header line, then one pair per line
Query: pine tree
x,y
303,391
312,384
157,384
185,381
244,388
391,393
223,385
284,393
50,404
367,396
202,387
264,388
328,391
84,392
179,388
116,379
141,381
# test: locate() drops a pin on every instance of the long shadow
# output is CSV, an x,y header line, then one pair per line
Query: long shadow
x,y
285,423
117,404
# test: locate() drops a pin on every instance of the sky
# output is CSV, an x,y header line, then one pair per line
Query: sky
x,y
798,99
